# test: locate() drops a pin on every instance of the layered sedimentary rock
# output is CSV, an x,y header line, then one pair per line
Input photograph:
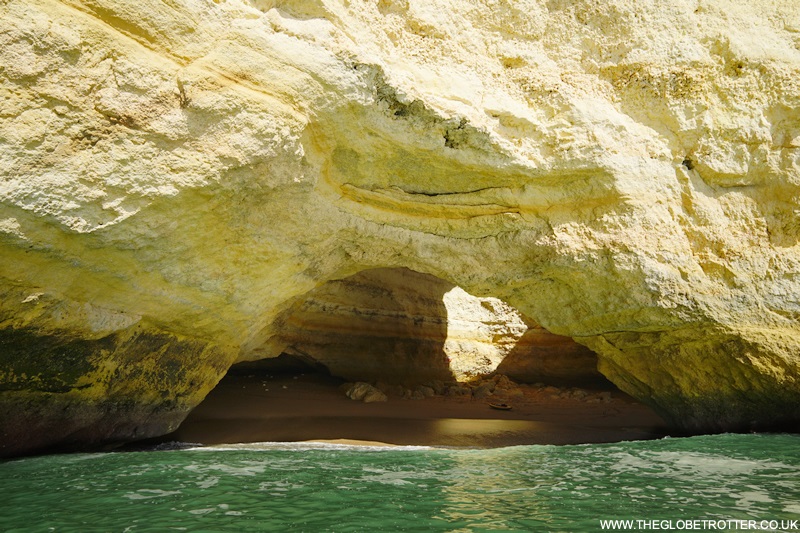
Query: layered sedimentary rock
x,y
402,327
625,174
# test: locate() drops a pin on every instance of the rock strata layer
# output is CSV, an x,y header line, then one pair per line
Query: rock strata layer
x,y
175,177
402,327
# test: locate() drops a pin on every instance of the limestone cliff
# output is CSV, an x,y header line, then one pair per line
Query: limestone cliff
x,y
177,175
402,327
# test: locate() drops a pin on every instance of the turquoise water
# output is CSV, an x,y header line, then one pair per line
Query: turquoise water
x,y
302,487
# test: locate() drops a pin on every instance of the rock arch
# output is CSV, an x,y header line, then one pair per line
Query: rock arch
x,y
173,180
403,327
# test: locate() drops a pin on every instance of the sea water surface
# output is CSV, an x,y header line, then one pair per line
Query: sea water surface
x,y
317,487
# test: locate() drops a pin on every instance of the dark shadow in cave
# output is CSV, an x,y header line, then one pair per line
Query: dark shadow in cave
x,y
283,364
543,357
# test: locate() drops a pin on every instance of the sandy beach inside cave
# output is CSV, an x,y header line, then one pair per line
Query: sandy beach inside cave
x,y
311,407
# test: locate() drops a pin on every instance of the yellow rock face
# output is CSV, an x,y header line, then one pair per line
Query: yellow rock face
x,y
624,174
402,327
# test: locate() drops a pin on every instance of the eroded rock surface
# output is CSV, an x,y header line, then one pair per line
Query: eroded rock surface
x,y
625,174
402,327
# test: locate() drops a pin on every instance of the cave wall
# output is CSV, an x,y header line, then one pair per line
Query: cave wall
x,y
627,175
404,327
384,324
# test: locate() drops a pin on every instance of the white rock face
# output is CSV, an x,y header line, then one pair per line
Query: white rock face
x,y
624,173
480,333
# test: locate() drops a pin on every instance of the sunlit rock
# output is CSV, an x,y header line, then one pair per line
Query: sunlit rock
x,y
625,174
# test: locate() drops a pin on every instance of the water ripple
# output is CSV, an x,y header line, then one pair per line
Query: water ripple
x,y
310,487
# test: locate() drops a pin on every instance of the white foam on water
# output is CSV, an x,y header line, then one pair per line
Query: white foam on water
x,y
203,511
246,469
306,446
793,508
146,494
208,482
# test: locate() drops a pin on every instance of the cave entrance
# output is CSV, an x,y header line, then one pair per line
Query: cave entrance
x,y
401,327
385,336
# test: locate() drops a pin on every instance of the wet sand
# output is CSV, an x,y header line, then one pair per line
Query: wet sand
x,y
312,407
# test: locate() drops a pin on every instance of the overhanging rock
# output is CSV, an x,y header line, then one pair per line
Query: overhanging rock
x,y
626,175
